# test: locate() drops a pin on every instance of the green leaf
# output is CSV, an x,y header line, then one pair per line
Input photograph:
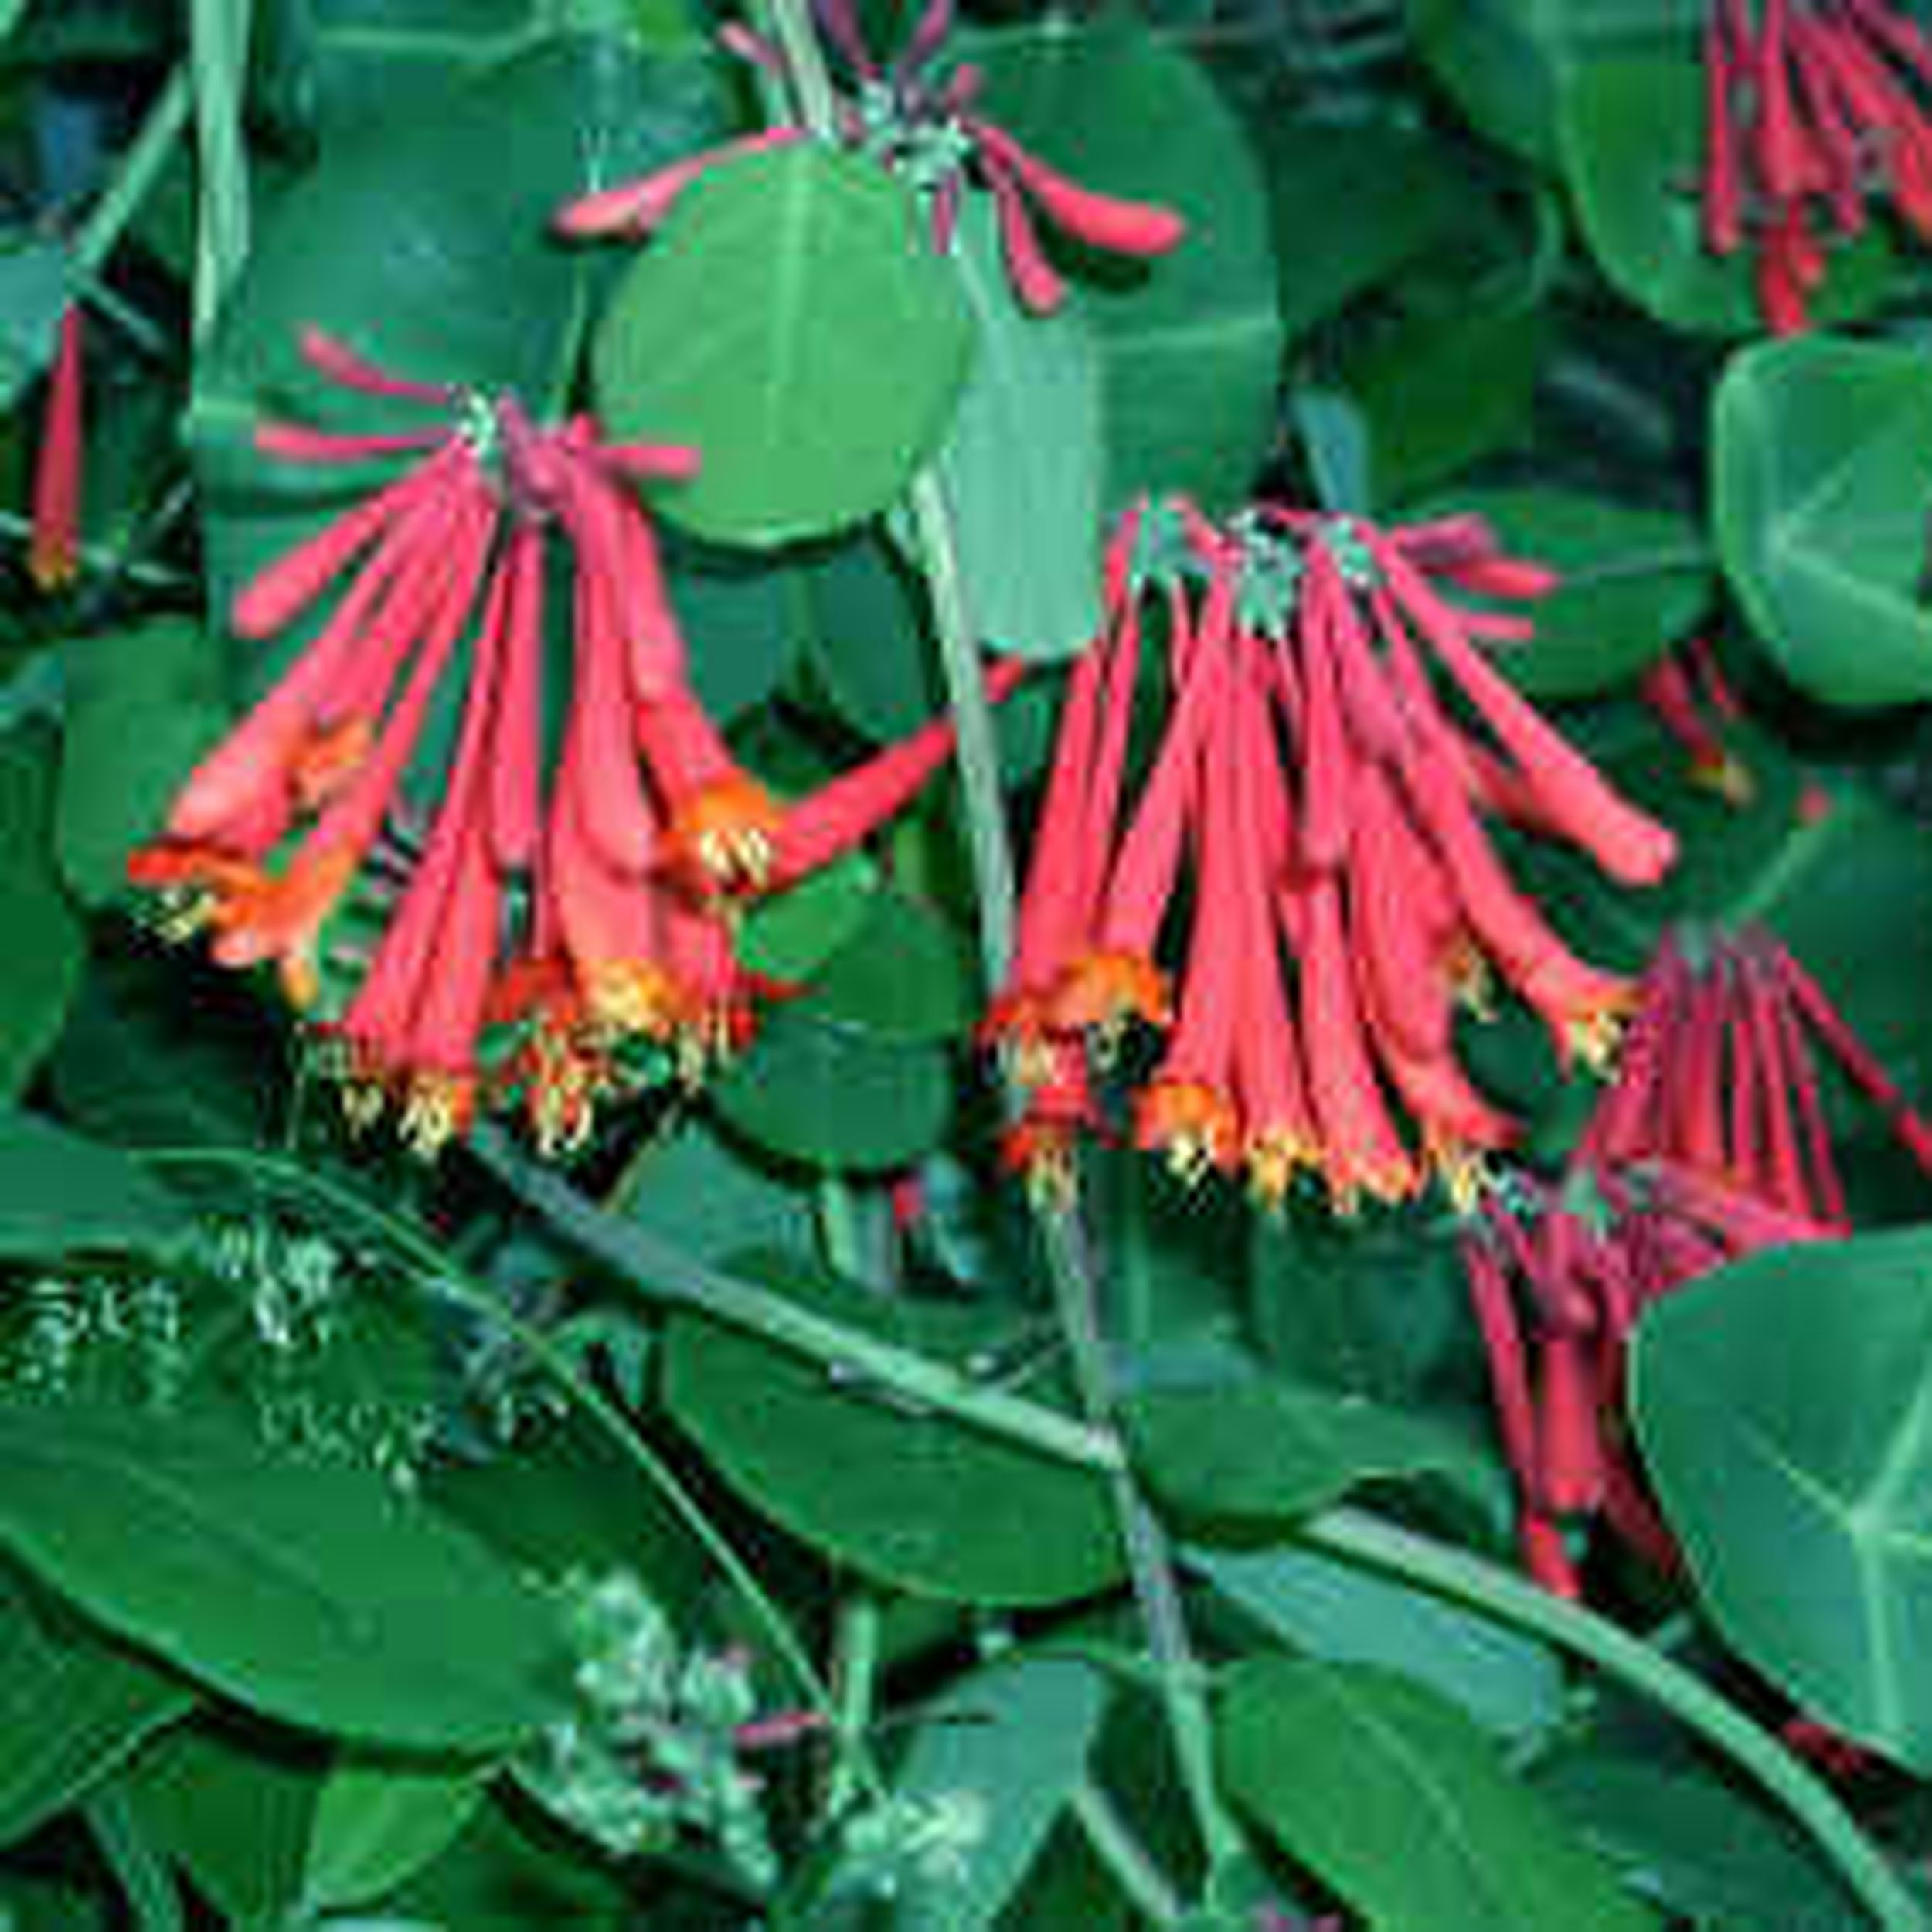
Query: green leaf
x,y
504,1872
1022,466
793,324
791,934
1632,581
378,1823
72,1707
61,1195
1267,1449
906,974
1798,1484
1697,1845
334,68
1510,1684
1012,1739
314,1593
1190,344
735,610
41,968
859,610
1495,57
1446,385
1352,205
817,1087
699,1190
231,1806
919,1501
36,285
1402,1806
129,1067
143,705
1822,472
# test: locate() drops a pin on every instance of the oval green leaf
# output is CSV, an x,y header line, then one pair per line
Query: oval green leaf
x,y
1014,1739
61,1194
1401,1805
818,1087
312,1593
1265,1449
377,1824
793,323
143,706
1785,1413
920,1502
1511,1684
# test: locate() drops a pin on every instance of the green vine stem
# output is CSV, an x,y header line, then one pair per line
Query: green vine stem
x,y
1113,1843
662,1273
134,177
443,1278
1359,1537
977,760
977,757
218,55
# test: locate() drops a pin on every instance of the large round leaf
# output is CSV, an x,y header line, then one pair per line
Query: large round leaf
x,y
1823,455
1785,1412
793,323
1191,345
314,1593
921,1501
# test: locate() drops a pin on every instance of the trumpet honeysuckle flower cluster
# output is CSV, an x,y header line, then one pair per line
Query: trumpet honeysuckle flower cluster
x,y
1335,747
1558,1277
927,128
1810,107
1710,1141
538,914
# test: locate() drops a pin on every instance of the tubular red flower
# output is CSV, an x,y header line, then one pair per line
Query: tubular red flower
x,y
1102,221
845,811
53,554
634,207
